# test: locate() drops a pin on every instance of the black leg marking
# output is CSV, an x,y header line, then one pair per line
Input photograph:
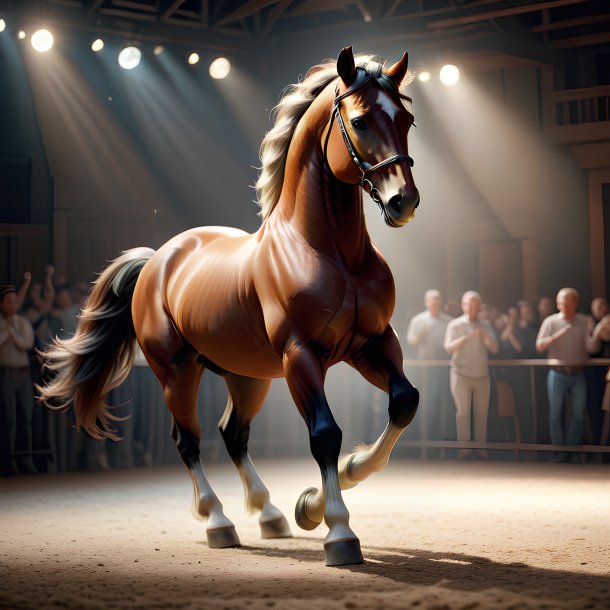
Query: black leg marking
x,y
404,399
235,435
187,444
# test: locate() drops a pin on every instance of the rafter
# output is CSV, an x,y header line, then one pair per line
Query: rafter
x,y
136,6
473,16
318,6
571,23
246,10
582,41
171,9
94,7
274,15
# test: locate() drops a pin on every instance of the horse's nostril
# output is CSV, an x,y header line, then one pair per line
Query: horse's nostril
x,y
394,203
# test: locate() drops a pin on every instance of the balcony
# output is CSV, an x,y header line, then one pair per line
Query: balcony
x,y
581,119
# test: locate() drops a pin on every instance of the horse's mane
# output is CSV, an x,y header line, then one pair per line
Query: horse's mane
x,y
296,99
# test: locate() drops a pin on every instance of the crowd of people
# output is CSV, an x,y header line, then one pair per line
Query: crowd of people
x,y
456,384
578,389
32,439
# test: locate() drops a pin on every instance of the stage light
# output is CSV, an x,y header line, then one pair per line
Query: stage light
x,y
129,58
449,74
158,49
193,58
2,25
424,76
42,41
97,45
220,68
21,35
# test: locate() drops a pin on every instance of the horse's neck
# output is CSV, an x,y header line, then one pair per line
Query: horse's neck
x,y
326,212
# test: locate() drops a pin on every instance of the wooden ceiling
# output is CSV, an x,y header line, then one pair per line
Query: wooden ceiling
x,y
537,28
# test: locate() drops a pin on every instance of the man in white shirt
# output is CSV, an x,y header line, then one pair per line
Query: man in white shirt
x,y
426,333
469,341
565,336
16,391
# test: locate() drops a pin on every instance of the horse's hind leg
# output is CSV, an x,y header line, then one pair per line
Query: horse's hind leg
x,y
246,397
180,379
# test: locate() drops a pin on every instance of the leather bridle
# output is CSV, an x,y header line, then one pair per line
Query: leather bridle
x,y
364,167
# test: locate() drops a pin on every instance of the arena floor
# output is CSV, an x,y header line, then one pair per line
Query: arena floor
x,y
434,535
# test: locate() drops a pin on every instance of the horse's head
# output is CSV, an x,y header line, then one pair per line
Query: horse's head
x,y
366,142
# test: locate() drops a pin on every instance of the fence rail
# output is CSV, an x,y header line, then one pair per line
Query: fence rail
x,y
532,364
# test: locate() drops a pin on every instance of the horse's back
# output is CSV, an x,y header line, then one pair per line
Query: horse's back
x,y
203,281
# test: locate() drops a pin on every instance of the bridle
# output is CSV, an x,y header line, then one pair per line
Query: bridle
x,y
364,167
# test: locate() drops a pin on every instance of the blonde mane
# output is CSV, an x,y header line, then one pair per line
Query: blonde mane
x,y
295,100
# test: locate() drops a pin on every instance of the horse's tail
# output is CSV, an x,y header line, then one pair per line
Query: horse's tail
x,y
98,358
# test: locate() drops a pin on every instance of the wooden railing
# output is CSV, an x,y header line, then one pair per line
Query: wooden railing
x,y
577,106
531,364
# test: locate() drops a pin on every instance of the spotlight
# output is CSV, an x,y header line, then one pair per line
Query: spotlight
x,y
449,74
97,45
21,35
424,76
42,41
220,68
193,58
158,49
2,25
129,58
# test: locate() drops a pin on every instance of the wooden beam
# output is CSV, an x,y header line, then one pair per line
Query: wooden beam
x,y
171,9
125,14
246,10
318,6
393,8
582,41
205,13
570,23
469,16
94,7
274,15
137,6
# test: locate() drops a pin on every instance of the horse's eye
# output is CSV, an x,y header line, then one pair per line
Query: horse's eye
x,y
358,124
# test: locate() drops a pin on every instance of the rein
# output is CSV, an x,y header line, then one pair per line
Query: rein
x,y
364,167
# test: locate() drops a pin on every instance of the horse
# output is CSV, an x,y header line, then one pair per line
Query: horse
x,y
307,290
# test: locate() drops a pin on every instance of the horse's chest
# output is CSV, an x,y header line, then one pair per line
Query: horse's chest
x,y
354,311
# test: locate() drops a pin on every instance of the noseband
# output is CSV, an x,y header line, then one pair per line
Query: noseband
x,y
364,167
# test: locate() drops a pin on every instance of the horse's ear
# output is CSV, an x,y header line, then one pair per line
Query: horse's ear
x,y
346,67
398,71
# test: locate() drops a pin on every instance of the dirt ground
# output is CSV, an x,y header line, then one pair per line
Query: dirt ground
x,y
435,536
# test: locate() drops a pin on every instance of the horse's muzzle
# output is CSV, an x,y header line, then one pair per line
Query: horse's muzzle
x,y
400,208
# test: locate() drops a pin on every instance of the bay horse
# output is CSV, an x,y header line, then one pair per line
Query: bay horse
x,y
309,289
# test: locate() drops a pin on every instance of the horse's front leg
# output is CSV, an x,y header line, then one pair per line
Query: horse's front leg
x,y
380,362
305,376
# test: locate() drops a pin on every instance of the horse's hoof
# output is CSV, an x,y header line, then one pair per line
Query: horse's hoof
x,y
300,516
222,537
276,528
343,552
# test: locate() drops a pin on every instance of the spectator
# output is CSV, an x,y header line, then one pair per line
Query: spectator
x,y
566,337
526,331
469,341
595,375
427,329
67,311
510,346
452,308
545,309
426,333
16,391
